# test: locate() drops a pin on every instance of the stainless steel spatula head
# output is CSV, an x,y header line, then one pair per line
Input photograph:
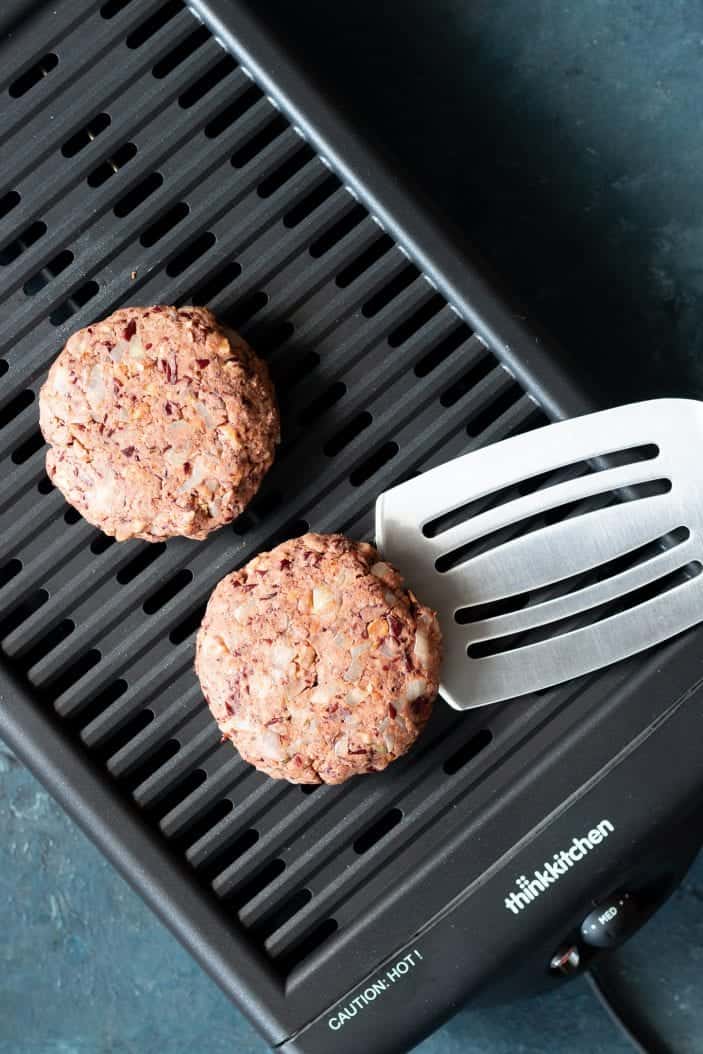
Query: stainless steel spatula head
x,y
555,553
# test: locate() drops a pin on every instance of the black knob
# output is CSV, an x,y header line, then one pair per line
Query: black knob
x,y
613,921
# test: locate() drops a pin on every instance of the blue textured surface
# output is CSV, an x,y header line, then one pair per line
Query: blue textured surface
x,y
566,140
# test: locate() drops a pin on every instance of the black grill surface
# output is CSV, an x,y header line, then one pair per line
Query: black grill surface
x,y
141,164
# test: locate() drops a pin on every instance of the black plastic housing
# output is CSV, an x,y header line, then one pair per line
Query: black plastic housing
x,y
141,164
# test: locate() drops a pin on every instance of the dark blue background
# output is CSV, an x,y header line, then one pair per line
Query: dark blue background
x,y
566,139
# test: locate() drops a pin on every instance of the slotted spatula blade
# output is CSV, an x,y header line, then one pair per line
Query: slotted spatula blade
x,y
555,553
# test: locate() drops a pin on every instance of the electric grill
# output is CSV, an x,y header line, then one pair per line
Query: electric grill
x,y
152,152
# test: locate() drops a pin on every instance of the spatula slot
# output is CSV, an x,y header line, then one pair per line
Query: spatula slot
x,y
492,540
531,484
501,497
563,587
627,602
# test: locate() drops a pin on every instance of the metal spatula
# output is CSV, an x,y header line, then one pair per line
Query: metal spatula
x,y
555,553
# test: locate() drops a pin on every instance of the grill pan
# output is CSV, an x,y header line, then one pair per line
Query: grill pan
x,y
152,152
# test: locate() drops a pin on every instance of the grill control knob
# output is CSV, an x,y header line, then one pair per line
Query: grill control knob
x,y
613,921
